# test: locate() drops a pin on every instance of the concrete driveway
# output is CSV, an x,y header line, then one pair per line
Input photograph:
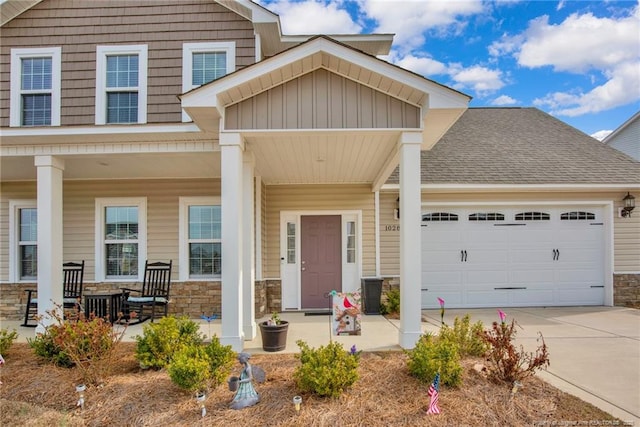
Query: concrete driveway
x,y
594,351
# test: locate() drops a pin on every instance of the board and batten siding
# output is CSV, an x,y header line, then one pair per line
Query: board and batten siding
x,y
79,215
329,198
626,231
321,100
79,26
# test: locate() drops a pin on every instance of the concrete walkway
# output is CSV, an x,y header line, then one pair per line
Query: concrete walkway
x,y
594,351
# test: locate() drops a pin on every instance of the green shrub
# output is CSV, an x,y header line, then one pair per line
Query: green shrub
x,y
326,371
468,338
392,305
432,355
44,346
221,360
6,340
90,343
190,368
160,340
508,364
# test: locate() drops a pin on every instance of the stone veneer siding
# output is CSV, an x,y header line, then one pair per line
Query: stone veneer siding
x,y
195,298
626,290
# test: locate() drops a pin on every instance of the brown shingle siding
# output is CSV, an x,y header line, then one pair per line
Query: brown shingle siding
x,y
79,26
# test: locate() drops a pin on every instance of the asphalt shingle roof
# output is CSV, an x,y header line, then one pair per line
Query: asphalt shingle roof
x,y
521,146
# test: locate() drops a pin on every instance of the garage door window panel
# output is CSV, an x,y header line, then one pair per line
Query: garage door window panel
x,y
493,216
440,216
577,216
533,216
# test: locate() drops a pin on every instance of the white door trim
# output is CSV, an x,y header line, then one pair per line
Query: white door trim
x,y
290,273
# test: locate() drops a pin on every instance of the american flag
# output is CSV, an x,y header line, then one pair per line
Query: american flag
x,y
433,394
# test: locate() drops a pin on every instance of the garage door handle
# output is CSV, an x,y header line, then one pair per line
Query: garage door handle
x,y
461,256
558,257
465,255
556,254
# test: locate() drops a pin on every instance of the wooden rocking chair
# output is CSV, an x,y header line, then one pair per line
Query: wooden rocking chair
x,y
153,298
73,278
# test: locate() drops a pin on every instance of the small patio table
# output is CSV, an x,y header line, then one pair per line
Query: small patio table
x,y
104,304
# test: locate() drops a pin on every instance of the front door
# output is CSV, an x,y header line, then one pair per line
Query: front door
x,y
321,259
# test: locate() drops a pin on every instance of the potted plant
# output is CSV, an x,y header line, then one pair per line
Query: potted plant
x,y
274,333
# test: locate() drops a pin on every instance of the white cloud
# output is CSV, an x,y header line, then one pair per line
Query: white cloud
x,y
313,17
504,100
410,20
422,65
623,87
601,134
580,43
583,43
477,78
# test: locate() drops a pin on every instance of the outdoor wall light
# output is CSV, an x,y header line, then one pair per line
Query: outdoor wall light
x,y
396,210
629,203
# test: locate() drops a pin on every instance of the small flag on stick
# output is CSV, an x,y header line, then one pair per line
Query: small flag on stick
x,y
433,394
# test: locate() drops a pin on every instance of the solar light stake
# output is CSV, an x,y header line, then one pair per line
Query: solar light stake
x,y
297,401
80,388
200,398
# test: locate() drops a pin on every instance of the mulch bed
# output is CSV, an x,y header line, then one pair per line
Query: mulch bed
x,y
37,393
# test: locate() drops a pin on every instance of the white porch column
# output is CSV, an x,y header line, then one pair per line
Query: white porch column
x,y
410,244
50,248
248,245
231,148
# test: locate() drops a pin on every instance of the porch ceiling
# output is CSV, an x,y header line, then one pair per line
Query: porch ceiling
x,y
329,157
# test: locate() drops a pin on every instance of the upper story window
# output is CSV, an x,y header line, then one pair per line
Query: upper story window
x,y
35,87
200,238
120,238
205,62
121,84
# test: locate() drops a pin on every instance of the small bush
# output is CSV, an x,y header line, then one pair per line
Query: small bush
x,y
506,363
45,347
90,343
392,305
468,337
160,340
6,340
326,371
221,360
432,355
190,368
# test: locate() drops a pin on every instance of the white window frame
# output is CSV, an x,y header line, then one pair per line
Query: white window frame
x,y
14,237
15,102
183,239
188,49
101,80
100,261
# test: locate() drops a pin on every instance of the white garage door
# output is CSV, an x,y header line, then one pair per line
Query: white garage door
x,y
516,256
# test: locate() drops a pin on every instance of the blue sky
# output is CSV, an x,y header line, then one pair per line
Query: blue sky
x,y
577,60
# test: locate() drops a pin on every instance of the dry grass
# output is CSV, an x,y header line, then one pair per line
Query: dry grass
x,y
35,393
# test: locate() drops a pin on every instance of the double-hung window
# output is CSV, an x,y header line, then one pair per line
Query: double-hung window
x,y
121,84
23,240
121,239
200,238
205,62
35,87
